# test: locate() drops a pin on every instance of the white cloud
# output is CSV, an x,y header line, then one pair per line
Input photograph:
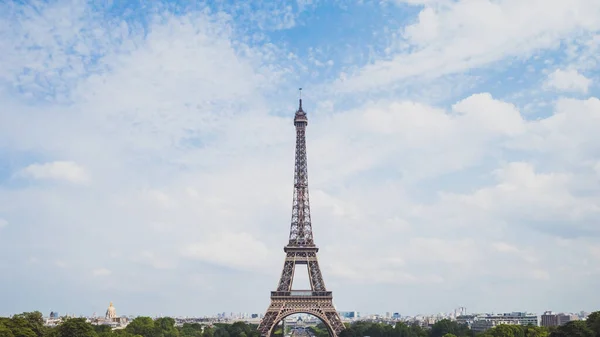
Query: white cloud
x,y
504,247
568,80
493,116
455,36
539,274
61,264
156,261
101,272
597,168
522,194
565,135
57,170
521,200
3,223
437,250
159,198
595,251
370,272
419,140
236,250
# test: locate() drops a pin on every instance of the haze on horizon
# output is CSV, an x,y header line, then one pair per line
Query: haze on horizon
x,y
147,151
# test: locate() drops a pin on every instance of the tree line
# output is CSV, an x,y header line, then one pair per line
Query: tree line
x,y
448,328
31,324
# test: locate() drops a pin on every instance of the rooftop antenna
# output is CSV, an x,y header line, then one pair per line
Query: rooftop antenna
x,y
300,94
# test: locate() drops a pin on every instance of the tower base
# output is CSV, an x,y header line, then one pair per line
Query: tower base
x,y
286,303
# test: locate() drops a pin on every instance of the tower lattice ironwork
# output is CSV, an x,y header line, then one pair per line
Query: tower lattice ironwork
x,y
301,249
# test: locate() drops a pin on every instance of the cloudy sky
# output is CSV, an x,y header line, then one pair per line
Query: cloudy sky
x,y
146,153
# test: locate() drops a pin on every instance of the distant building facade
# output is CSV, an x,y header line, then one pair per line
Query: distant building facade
x,y
348,314
111,318
480,323
111,312
550,319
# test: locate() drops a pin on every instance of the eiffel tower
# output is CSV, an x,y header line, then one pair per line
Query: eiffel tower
x,y
301,249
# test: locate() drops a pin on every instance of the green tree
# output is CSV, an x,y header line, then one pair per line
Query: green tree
x,y
121,333
506,330
446,326
593,322
374,330
417,331
221,332
449,335
5,332
18,326
239,329
191,330
75,327
23,332
402,330
348,332
536,331
33,320
208,332
143,326
102,329
360,329
573,329
165,327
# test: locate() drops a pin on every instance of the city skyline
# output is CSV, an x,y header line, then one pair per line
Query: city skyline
x,y
147,154
241,316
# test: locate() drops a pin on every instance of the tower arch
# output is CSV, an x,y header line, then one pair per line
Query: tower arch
x,y
316,313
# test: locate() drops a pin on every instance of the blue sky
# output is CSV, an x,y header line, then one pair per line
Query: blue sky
x,y
146,153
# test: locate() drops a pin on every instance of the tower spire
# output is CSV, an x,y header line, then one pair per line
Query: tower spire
x,y
301,228
300,111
